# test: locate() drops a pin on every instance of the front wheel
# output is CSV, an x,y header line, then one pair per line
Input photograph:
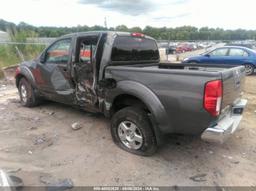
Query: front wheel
x,y
132,131
249,69
27,94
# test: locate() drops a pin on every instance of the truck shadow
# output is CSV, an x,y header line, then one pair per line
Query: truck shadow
x,y
174,144
181,151
184,145
179,160
192,151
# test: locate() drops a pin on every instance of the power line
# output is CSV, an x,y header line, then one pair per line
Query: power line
x,y
23,43
105,22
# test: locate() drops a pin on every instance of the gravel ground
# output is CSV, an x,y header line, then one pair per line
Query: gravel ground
x,y
39,146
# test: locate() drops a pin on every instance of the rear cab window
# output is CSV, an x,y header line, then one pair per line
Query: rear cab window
x,y
134,49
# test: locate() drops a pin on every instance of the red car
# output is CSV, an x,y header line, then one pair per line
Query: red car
x,y
183,48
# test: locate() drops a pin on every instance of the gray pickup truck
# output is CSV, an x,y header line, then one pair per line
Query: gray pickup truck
x,y
119,74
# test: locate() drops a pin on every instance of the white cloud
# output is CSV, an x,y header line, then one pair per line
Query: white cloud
x,y
228,14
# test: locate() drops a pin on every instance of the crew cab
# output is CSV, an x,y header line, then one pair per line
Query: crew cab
x,y
119,74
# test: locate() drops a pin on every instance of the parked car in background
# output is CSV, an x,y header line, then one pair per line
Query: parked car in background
x,y
184,48
170,49
234,55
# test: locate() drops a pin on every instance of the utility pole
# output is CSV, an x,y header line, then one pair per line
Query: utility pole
x,y
105,23
167,51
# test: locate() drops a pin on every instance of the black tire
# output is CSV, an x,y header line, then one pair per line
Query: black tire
x,y
138,117
249,69
31,100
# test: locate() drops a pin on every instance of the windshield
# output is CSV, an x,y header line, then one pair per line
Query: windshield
x,y
134,49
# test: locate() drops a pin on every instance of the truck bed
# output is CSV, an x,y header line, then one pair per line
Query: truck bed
x,y
187,67
180,88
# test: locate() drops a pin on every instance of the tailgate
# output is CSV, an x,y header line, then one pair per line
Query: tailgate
x,y
233,84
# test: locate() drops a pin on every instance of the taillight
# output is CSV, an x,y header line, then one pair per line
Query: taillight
x,y
137,34
213,96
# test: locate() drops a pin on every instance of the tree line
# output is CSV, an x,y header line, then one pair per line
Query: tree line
x,y
163,33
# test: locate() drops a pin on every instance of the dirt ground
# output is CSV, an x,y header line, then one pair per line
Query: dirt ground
x,y
39,144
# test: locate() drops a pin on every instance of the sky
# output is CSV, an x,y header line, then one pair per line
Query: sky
x,y
227,14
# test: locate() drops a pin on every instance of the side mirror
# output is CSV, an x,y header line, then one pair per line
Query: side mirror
x,y
43,57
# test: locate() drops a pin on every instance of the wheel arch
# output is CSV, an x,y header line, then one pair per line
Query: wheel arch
x,y
250,63
125,100
133,93
25,73
18,78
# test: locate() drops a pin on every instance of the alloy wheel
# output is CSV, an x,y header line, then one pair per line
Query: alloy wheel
x,y
23,93
130,135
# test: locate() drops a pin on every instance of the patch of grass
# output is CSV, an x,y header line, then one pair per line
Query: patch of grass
x,y
9,55
1,74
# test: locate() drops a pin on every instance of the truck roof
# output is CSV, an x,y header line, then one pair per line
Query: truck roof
x,y
119,33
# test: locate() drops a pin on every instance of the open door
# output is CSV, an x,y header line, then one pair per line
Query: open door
x,y
84,68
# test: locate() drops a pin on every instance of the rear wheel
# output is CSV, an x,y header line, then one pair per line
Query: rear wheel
x,y
27,94
249,69
131,130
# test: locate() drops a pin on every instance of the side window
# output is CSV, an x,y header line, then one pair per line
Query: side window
x,y
219,52
59,52
237,52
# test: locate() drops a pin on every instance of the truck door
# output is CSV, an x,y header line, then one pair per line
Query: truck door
x,y
52,72
85,72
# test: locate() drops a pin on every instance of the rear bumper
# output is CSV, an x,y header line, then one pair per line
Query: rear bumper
x,y
226,126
